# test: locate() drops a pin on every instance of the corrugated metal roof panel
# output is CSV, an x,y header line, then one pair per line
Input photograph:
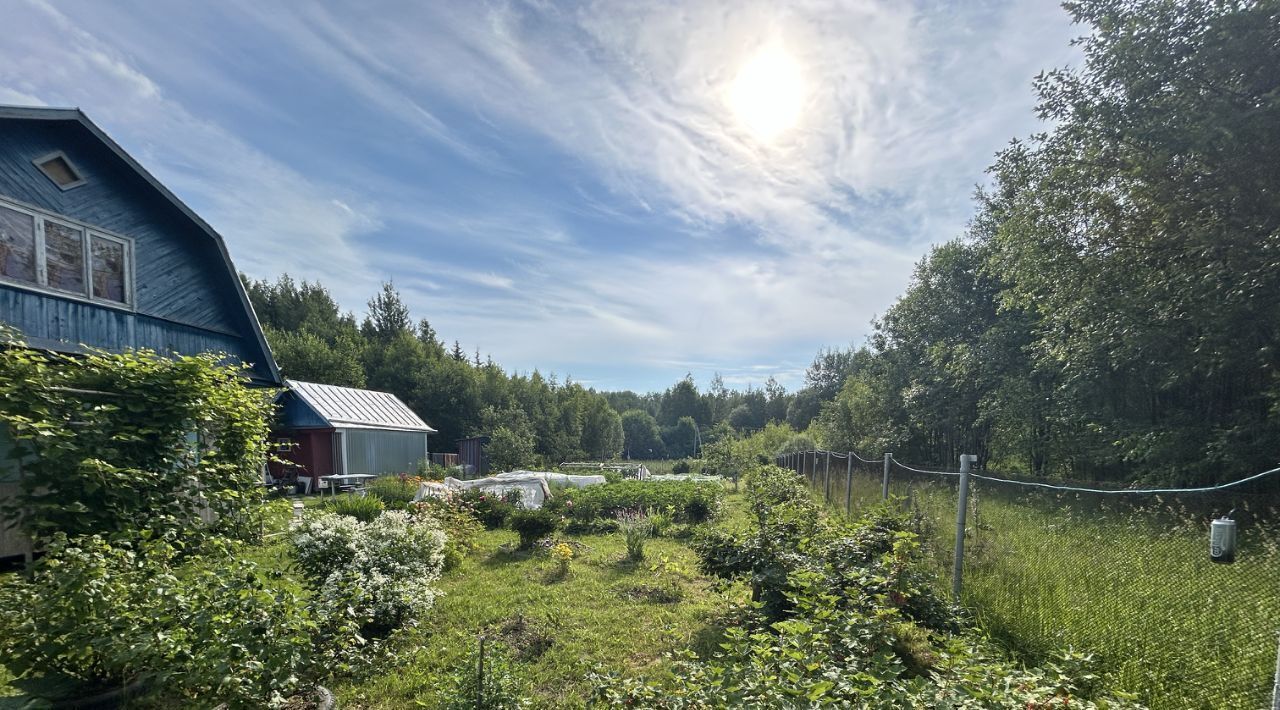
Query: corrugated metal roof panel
x,y
350,407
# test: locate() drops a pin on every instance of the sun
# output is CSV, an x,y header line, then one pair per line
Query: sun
x,y
767,95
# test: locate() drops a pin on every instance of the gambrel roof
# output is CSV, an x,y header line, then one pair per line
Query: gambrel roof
x,y
168,333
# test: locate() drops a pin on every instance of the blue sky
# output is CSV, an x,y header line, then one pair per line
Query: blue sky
x,y
578,187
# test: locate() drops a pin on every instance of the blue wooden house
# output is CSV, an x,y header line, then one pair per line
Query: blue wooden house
x,y
95,252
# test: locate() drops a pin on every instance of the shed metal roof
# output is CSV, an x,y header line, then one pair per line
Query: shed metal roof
x,y
356,408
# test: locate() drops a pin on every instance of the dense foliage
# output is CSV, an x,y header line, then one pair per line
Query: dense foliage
x,y
1112,312
116,443
362,508
532,524
690,502
106,613
847,619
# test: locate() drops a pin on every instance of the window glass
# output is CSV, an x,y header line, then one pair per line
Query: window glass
x,y
17,245
64,257
108,269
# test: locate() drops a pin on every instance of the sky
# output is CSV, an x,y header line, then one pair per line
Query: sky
x,y
621,192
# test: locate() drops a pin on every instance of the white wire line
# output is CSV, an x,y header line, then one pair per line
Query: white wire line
x,y
921,470
1135,491
1079,489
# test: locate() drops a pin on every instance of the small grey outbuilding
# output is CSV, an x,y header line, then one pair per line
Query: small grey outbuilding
x,y
326,429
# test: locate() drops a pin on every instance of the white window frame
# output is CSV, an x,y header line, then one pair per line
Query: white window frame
x,y
80,178
42,257
89,232
92,234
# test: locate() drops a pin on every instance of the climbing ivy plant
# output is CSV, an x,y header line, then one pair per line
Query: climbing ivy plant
x,y
111,443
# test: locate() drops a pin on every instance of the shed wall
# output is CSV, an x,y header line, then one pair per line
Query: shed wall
x,y
380,451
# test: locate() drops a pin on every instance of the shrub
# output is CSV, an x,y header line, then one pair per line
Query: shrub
x,y
635,528
533,525
381,570
104,613
681,466
847,656
660,520
847,620
141,453
461,528
491,510
790,535
362,508
395,492
689,501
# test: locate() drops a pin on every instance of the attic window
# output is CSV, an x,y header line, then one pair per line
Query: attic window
x,y
59,169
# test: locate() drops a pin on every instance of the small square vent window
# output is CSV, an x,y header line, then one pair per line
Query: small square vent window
x,y
60,170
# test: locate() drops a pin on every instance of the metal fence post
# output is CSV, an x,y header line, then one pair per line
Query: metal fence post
x,y
884,492
848,486
962,510
826,480
1275,688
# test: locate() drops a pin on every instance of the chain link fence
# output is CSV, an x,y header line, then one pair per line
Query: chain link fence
x,y
1123,575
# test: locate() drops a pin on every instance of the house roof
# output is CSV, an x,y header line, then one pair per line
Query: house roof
x,y
42,113
348,407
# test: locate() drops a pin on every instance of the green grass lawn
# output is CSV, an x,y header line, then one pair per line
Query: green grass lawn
x,y
598,614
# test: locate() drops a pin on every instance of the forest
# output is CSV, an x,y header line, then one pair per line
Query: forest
x,y
1111,312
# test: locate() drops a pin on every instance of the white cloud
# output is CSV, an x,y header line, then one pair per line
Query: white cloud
x,y
272,218
766,250
904,107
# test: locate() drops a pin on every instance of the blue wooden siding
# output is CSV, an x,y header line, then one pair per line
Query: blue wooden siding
x,y
297,414
185,298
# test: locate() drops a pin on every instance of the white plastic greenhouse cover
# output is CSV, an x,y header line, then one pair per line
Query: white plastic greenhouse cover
x,y
533,490
563,479
533,486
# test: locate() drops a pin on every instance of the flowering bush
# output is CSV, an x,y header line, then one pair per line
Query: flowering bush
x,y
563,555
461,528
491,510
382,570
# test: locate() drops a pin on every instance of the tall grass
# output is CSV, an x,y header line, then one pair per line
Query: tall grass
x,y
1132,585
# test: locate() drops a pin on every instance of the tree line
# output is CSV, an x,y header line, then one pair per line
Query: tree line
x,y
1113,310
529,418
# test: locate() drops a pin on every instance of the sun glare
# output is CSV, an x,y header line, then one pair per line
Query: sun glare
x,y
767,94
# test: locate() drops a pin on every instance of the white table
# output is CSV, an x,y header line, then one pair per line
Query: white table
x,y
359,478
